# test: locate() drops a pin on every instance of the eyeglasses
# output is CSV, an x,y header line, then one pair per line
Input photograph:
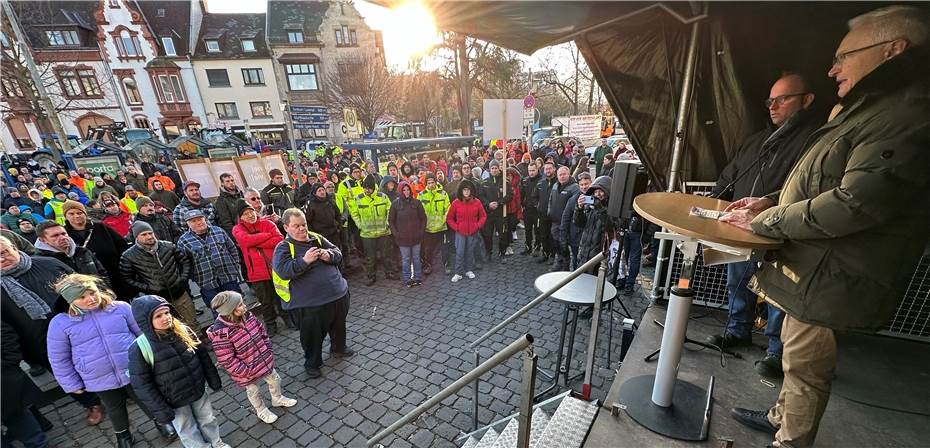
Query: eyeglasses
x,y
840,57
254,199
780,100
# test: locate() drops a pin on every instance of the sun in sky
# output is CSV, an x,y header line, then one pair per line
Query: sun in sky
x,y
409,29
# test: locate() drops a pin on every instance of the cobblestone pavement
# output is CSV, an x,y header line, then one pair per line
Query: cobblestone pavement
x,y
410,343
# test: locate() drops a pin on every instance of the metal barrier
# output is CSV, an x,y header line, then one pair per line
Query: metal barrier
x,y
525,344
600,258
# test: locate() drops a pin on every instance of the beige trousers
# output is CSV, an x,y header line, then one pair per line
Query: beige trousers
x,y
808,361
274,387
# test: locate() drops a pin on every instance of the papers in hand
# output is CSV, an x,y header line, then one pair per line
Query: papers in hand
x,y
708,214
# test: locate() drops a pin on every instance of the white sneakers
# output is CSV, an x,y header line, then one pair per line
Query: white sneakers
x,y
221,444
456,278
283,402
470,274
267,416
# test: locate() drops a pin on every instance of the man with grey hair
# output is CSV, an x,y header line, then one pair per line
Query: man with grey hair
x,y
852,214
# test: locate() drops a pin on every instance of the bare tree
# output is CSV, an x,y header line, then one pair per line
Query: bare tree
x,y
425,97
362,84
572,83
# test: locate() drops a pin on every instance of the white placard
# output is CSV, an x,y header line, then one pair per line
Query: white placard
x,y
503,119
586,127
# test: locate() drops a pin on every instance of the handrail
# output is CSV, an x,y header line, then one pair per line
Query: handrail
x,y
499,358
545,295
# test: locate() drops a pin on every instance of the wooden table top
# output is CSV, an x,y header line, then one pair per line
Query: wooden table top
x,y
671,210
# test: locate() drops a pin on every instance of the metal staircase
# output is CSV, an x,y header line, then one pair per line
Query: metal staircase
x,y
562,421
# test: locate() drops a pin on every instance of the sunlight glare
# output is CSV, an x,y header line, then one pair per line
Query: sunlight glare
x,y
409,32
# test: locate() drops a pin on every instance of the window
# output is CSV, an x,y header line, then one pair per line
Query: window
x,y
89,83
70,84
248,45
129,45
141,123
295,37
168,43
60,38
253,76
226,110
260,109
132,91
213,46
339,40
354,38
160,12
11,87
301,76
218,77
171,89
18,128
114,3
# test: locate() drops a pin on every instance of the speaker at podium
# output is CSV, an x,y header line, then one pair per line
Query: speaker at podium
x,y
628,180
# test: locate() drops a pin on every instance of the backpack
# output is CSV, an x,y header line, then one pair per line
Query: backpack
x,y
143,343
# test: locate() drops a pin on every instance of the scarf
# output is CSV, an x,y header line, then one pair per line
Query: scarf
x,y
27,300
72,247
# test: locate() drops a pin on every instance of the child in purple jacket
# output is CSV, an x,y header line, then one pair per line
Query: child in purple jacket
x,y
87,347
242,347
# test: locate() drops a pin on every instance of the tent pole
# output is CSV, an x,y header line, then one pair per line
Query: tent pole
x,y
681,129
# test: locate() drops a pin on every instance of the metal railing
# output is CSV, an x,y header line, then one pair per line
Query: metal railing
x,y
600,258
524,344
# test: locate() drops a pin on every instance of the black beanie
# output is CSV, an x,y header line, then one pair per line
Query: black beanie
x,y
370,182
242,206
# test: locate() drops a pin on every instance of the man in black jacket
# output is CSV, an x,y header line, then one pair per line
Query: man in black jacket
x,y
54,242
278,195
164,228
492,195
543,188
323,216
760,168
225,213
529,198
158,267
559,196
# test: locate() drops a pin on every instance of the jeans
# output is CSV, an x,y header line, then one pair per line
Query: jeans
x,y
632,254
742,307
23,426
465,248
207,294
196,425
410,255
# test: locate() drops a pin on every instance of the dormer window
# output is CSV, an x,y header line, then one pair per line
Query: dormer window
x,y
160,12
248,45
295,37
61,38
213,46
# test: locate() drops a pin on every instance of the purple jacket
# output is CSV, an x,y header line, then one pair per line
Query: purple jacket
x,y
90,352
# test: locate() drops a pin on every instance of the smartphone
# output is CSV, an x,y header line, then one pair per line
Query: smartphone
x,y
588,200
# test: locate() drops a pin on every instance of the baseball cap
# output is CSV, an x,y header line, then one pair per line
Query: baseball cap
x,y
193,214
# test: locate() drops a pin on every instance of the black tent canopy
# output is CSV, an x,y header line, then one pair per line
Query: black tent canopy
x,y
638,51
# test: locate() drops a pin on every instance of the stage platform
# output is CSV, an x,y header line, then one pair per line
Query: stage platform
x,y
880,397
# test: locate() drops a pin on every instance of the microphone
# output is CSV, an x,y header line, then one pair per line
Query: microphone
x,y
768,146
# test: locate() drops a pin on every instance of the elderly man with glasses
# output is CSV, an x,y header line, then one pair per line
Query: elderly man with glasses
x,y
853,214
759,168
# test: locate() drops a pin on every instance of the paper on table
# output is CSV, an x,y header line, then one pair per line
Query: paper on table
x,y
709,214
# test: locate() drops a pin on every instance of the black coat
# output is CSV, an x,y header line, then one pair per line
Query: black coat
x,y
83,261
765,158
598,226
164,274
164,228
558,200
543,188
492,191
32,333
529,196
408,221
323,217
177,376
278,199
225,213
18,390
107,245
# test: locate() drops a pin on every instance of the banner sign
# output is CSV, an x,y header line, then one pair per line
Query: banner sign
x,y
99,165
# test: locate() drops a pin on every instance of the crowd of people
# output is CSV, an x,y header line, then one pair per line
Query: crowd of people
x,y
100,273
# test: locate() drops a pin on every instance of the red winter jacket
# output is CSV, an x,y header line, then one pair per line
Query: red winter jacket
x,y
243,349
121,223
466,217
257,242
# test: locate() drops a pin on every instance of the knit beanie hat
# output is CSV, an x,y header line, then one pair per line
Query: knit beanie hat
x,y
140,227
143,200
476,172
226,302
370,182
72,290
241,207
70,205
494,163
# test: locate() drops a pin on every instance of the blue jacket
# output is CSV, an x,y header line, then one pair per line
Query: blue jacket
x,y
90,351
315,284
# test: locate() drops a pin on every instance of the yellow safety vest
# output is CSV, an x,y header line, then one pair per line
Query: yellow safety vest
x,y
59,212
282,286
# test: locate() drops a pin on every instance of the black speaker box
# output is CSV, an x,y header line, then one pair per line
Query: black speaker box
x,y
629,179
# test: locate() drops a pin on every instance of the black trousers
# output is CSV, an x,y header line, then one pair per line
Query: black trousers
x,y
114,401
269,302
531,228
380,251
431,242
545,235
315,323
496,224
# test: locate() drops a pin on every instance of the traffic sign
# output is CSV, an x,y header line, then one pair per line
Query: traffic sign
x,y
310,118
311,125
529,101
312,110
